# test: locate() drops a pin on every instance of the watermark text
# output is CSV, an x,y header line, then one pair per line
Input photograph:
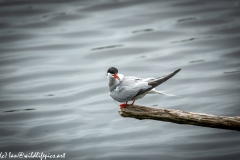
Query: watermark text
x,y
39,155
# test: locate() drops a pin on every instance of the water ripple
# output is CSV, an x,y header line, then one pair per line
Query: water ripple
x,y
54,92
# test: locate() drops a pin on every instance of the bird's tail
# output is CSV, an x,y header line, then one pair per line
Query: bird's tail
x,y
154,91
167,94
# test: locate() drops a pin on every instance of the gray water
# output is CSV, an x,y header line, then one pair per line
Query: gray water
x,y
54,56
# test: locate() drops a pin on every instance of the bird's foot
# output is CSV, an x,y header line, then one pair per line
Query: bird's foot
x,y
123,105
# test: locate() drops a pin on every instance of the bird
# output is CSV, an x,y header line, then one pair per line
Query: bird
x,y
127,88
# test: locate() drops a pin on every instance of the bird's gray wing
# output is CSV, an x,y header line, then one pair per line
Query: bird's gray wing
x,y
157,82
128,88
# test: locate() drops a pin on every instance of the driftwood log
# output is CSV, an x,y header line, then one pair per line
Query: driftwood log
x,y
181,117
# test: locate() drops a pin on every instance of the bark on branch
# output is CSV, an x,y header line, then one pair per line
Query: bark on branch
x,y
181,117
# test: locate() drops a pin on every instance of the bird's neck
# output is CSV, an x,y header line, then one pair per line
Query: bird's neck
x,y
113,82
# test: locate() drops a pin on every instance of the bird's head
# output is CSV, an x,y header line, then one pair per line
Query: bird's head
x,y
112,73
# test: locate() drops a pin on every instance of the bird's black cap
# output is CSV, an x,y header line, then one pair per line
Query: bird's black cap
x,y
112,70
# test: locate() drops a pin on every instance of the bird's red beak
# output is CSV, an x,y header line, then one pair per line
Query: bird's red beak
x,y
116,76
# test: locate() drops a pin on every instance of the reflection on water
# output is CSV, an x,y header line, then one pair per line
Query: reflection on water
x,y
28,109
185,40
197,61
229,72
187,19
143,30
106,47
53,61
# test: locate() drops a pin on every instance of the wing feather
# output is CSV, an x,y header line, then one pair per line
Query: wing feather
x,y
157,82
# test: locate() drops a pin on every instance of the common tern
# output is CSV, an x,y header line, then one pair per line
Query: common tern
x,y
126,88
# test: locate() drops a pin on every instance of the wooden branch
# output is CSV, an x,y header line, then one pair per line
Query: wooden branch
x,y
181,117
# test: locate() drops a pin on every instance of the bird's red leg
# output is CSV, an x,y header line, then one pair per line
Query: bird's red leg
x,y
123,105
133,102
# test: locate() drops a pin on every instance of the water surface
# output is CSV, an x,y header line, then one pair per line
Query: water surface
x,y
53,88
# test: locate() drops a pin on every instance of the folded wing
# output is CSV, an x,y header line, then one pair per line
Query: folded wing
x,y
154,83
